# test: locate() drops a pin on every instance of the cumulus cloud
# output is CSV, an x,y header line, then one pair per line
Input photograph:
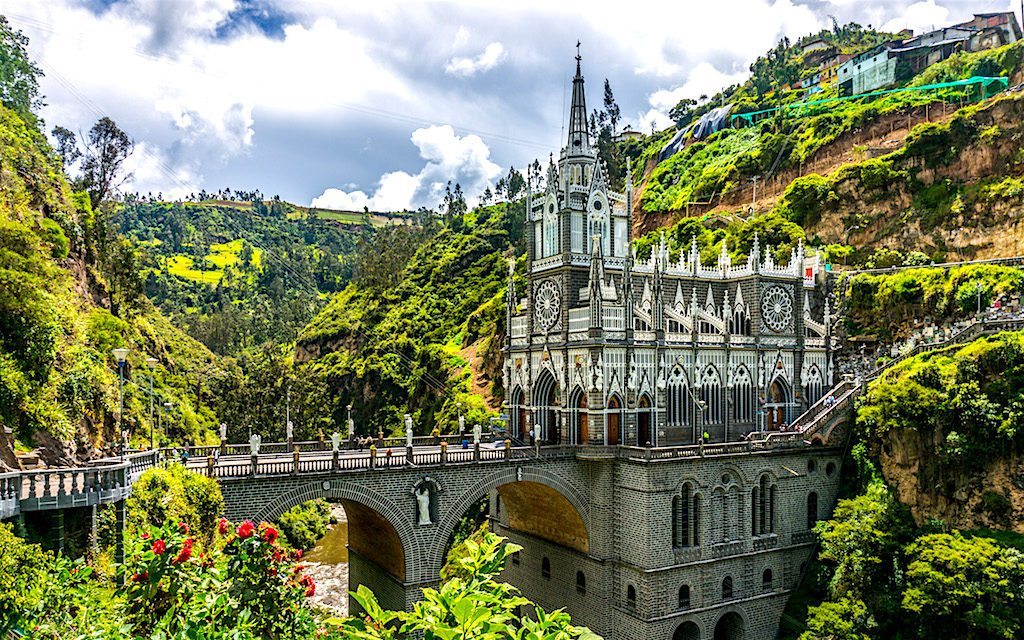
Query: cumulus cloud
x,y
464,67
920,16
303,92
704,80
461,159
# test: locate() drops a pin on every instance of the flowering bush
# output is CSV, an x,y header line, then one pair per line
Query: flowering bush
x,y
250,588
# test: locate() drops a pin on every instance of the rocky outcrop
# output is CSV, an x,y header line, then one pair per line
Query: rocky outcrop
x,y
992,498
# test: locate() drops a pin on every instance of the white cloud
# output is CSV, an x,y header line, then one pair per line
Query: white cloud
x,y
150,172
704,80
461,159
464,67
920,16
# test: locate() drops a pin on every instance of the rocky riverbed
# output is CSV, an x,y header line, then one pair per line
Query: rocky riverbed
x,y
327,563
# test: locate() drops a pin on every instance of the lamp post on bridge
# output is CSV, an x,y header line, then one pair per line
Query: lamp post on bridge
x,y
151,363
121,355
167,408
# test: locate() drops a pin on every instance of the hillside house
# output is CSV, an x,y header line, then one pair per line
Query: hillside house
x,y
867,71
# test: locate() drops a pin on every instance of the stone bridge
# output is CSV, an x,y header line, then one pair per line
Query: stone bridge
x,y
395,548
665,542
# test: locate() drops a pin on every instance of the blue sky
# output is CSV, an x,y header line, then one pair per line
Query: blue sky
x,y
381,103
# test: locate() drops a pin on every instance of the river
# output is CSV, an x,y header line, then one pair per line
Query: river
x,y
327,563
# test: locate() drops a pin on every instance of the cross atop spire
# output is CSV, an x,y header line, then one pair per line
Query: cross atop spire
x,y
579,135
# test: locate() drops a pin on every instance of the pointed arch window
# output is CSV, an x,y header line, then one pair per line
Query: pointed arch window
x,y
711,394
739,324
813,384
677,399
743,396
550,234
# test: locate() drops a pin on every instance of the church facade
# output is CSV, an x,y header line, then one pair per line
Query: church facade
x,y
608,348
630,358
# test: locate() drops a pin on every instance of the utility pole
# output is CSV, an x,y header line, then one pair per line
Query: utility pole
x,y
753,199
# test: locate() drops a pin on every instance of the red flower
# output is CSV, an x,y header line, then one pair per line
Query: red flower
x,y
159,547
245,529
184,527
140,577
271,571
297,554
185,553
278,556
222,526
307,582
270,535
145,536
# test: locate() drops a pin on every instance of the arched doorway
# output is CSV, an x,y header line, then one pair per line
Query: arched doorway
x,y
730,627
613,419
777,404
643,422
581,419
687,631
545,423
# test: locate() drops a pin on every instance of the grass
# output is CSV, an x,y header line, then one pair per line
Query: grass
x,y
221,255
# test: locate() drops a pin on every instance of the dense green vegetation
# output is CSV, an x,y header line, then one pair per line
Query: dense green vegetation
x,y
884,303
970,398
305,523
705,169
391,344
174,494
242,584
234,277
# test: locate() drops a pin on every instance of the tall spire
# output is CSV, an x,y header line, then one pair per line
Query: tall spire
x,y
579,136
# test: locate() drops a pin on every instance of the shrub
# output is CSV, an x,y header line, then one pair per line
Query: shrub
x,y
305,523
175,494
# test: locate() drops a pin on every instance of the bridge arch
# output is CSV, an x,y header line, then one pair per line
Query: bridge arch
x,y
532,479
379,529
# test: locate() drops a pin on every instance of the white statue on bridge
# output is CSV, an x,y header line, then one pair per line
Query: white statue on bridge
x,y
335,441
477,431
223,432
423,504
408,430
254,443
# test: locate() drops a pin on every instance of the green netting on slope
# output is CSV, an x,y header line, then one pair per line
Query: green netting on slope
x,y
986,87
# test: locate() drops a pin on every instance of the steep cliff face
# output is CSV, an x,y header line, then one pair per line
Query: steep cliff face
x,y
947,428
953,191
992,497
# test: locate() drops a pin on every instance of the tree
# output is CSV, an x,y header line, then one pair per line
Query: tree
x,y
964,587
106,149
610,107
66,146
19,77
842,620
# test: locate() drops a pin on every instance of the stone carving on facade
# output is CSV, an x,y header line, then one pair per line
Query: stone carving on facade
x,y
423,505
598,379
632,383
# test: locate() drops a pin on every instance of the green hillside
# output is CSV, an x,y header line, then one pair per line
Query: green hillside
x,y
235,275
58,279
